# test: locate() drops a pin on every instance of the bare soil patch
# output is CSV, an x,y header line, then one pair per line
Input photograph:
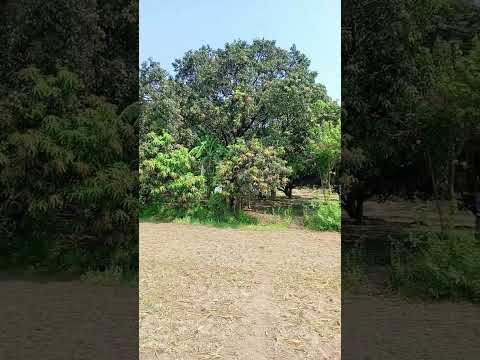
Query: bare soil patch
x,y
59,320
391,327
208,293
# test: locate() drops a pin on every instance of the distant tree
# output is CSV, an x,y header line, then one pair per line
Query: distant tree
x,y
160,101
244,90
400,96
324,149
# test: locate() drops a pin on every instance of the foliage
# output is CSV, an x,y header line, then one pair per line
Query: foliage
x,y
66,170
250,169
98,40
160,101
68,142
437,266
412,86
243,90
323,215
324,148
220,97
166,172
207,154
238,123
353,267
216,212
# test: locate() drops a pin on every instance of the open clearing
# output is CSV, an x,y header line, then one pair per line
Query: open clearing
x,y
208,293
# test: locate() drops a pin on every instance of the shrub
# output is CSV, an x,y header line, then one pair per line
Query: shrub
x,y
250,169
437,266
68,175
215,212
166,173
322,215
353,267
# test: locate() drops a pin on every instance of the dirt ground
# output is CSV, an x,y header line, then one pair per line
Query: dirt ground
x,y
58,320
378,327
208,293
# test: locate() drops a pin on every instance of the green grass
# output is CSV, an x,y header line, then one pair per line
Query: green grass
x,y
437,266
353,268
319,215
217,213
323,215
113,276
214,213
44,259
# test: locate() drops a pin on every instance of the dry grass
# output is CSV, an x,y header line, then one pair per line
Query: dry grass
x,y
209,293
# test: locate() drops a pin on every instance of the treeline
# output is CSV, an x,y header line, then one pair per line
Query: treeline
x,y
69,135
410,86
234,124
411,129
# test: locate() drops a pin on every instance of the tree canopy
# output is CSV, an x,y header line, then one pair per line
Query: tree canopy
x,y
255,94
408,85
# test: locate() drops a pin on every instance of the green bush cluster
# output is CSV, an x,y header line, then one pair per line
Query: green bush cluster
x,y
437,266
68,176
167,174
214,211
323,215
250,169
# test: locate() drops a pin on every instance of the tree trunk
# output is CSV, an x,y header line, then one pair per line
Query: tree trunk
x,y
273,194
354,208
287,190
477,227
359,210
437,195
477,214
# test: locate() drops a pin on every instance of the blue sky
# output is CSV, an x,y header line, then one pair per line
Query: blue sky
x,y
169,28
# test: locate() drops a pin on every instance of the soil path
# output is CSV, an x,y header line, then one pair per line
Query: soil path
x,y
208,293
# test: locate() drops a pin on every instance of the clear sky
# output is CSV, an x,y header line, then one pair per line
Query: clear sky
x,y
169,28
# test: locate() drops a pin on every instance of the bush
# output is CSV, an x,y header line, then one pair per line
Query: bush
x,y
215,212
353,267
68,176
250,169
112,276
166,173
437,266
323,215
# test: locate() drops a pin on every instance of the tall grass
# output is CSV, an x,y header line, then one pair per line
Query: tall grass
x,y
437,265
214,212
322,215
353,267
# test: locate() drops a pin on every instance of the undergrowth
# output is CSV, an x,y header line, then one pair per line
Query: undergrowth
x,y
322,215
214,212
438,266
45,258
353,267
